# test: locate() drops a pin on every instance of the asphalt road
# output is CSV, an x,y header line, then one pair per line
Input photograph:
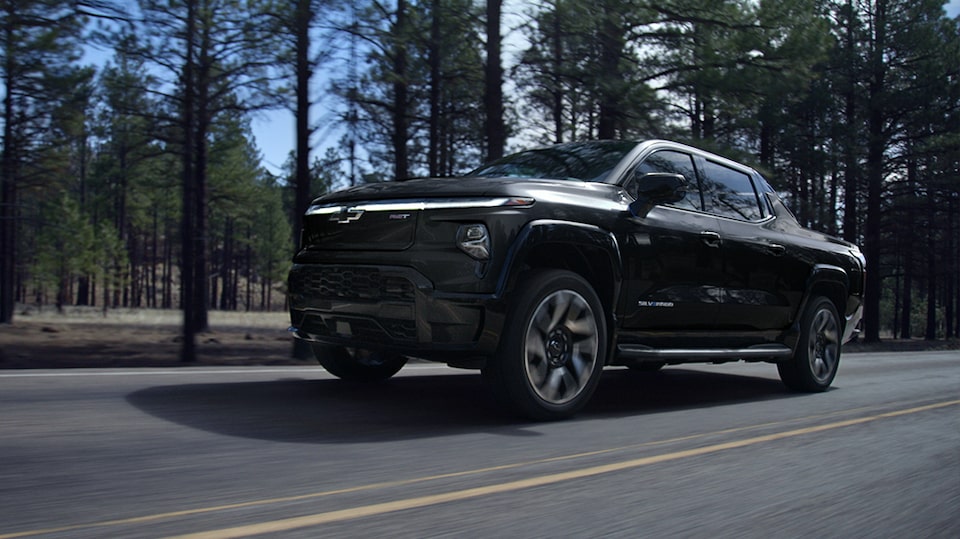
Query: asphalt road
x,y
711,451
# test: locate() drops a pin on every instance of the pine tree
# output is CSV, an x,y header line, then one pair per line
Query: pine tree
x,y
39,47
219,52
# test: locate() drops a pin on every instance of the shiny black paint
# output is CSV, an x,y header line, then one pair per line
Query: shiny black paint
x,y
668,278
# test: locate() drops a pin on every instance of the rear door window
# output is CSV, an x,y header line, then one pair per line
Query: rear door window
x,y
730,193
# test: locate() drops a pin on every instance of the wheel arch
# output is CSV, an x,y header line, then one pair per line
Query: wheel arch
x,y
828,281
831,282
587,250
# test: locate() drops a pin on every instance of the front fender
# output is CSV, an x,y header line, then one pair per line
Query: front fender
x,y
587,250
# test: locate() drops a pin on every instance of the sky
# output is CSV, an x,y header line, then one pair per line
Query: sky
x,y
275,130
275,134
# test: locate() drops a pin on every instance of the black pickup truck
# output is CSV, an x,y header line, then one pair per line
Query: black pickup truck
x,y
545,266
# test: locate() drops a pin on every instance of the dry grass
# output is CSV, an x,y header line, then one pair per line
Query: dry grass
x,y
158,317
85,337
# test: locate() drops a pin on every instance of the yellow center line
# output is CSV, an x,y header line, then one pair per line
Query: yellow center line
x,y
465,494
333,516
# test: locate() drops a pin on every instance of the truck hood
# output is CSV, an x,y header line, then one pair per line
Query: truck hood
x,y
454,187
384,216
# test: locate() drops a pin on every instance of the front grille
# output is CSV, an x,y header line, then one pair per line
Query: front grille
x,y
350,283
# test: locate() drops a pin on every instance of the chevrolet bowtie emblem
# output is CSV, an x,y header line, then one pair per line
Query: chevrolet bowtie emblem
x,y
347,215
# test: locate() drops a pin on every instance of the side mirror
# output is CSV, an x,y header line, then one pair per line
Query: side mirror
x,y
657,188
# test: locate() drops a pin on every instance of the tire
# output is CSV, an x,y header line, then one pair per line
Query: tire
x,y
358,365
553,347
815,362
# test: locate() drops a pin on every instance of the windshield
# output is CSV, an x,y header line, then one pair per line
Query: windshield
x,y
582,161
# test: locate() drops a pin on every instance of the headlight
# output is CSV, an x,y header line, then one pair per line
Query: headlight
x,y
474,240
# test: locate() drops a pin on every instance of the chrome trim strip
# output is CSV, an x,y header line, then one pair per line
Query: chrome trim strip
x,y
429,204
640,351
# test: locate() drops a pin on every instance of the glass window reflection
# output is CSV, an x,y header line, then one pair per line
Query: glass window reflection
x,y
730,193
673,163
587,161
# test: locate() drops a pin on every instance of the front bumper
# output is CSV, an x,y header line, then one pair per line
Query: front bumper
x,y
852,326
390,307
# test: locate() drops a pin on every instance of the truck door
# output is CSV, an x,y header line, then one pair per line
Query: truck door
x,y
756,292
672,257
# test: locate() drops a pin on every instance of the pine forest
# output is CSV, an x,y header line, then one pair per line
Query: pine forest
x,y
131,176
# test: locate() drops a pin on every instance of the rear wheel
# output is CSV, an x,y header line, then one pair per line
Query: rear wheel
x,y
357,364
814,364
553,348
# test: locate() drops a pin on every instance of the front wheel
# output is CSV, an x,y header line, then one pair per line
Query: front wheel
x,y
358,365
553,347
815,363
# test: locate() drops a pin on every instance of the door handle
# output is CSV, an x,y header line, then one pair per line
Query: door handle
x,y
712,239
776,249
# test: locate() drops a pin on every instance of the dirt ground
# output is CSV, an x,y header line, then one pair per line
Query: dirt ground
x,y
135,338
151,338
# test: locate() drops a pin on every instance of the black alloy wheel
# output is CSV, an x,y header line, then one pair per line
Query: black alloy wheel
x,y
815,362
553,348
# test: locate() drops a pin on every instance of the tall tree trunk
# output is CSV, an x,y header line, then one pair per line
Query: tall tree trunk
x,y
872,243
611,49
907,240
188,353
851,182
493,85
434,61
248,262
400,95
304,73
120,207
203,120
235,281
8,175
906,305
931,333
952,255
557,61
83,284
154,259
263,294
166,301
201,283
133,270
214,290
876,145
269,294
895,324
226,265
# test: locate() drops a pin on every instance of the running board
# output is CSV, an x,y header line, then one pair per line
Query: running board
x,y
639,351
